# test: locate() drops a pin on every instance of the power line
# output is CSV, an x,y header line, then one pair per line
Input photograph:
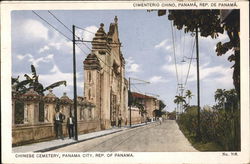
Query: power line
x,y
72,33
84,29
67,28
81,49
51,25
137,89
192,53
70,39
176,71
60,21
57,29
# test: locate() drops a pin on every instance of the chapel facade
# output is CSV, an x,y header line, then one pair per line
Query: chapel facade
x,y
104,77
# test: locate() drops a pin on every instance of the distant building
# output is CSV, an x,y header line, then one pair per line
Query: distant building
x,y
104,77
150,103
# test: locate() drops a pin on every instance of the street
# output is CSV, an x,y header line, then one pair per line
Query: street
x,y
156,137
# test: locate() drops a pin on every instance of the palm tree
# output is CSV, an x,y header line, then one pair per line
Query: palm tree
x,y
32,82
189,95
231,98
179,100
220,96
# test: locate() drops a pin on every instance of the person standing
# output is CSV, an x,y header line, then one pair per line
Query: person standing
x,y
59,117
160,119
70,124
119,121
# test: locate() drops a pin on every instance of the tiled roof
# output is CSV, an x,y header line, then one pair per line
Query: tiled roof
x,y
143,96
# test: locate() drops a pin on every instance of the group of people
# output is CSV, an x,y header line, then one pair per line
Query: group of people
x,y
59,118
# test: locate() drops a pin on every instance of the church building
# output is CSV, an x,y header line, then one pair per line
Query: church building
x,y
104,77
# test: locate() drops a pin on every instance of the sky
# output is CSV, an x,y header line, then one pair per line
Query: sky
x,y
147,46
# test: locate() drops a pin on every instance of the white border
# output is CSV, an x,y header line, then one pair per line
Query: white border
x,y
148,157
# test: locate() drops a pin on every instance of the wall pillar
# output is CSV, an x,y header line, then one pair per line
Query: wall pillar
x,y
31,107
49,107
66,105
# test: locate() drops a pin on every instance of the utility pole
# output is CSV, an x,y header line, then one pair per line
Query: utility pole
x,y
182,90
198,82
130,97
74,79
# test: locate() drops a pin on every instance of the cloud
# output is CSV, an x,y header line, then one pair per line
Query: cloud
x,y
131,66
35,62
57,75
166,45
217,74
21,57
162,44
61,44
88,33
45,48
168,58
34,29
158,79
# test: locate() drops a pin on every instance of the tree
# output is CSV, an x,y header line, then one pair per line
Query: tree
x,y
209,24
227,99
179,100
189,95
161,105
32,82
220,97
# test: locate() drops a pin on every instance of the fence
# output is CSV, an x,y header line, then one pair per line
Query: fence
x,y
33,116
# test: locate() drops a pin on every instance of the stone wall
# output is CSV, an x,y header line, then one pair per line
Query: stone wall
x,y
31,129
135,116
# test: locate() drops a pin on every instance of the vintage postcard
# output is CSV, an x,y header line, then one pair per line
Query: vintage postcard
x,y
125,82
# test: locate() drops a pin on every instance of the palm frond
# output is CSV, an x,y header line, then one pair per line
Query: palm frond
x,y
27,77
23,83
55,85
33,70
14,80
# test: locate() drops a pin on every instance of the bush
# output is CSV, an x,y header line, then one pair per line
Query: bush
x,y
218,126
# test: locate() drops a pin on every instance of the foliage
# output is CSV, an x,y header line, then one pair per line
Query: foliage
x,y
189,95
32,82
219,126
21,87
208,22
161,105
171,115
227,99
179,99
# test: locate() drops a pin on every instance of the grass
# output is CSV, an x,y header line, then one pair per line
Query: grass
x,y
209,146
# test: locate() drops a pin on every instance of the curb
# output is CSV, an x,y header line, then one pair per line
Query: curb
x,y
74,142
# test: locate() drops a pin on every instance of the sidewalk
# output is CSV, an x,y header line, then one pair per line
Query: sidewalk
x,y
57,143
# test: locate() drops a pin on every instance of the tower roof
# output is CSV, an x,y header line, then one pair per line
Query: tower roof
x,y
91,62
100,41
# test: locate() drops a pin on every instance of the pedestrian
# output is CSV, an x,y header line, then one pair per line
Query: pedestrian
x,y
70,125
59,117
119,121
160,120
